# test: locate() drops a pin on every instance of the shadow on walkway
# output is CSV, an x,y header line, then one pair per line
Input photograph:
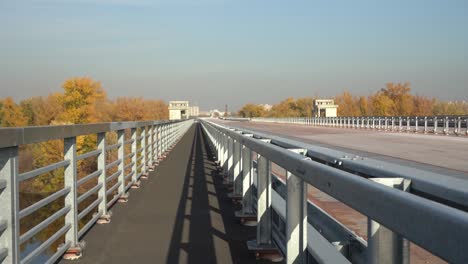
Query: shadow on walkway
x,y
206,230
181,214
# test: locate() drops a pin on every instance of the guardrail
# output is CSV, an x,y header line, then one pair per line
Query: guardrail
x,y
149,141
400,202
447,125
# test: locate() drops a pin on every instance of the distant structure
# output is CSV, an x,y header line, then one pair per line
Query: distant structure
x,y
325,108
215,113
182,110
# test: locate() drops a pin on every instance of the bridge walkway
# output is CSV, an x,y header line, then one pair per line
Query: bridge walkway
x,y
181,214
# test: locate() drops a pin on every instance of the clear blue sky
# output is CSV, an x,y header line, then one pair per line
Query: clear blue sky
x,y
234,51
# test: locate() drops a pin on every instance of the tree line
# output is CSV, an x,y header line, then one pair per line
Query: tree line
x,y
82,101
395,99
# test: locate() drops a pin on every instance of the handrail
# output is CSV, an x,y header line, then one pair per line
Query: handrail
x,y
75,191
406,215
447,125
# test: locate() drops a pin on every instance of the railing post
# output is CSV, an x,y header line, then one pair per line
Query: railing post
x,y
425,125
121,156
230,161
263,243
408,125
71,218
151,155
385,246
296,218
247,211
263,206
237,176
447,126
101,165
400,124
416,120
144,160
9,206
135,181
458,130
435,125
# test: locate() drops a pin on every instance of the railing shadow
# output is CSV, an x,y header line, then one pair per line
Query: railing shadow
x,y
205,230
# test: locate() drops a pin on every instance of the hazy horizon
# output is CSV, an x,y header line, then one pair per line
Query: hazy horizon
x,y
217,52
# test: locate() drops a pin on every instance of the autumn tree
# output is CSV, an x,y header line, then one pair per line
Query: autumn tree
x,y
80,100
252,110
381,105
347,104
422,106
11,114
400,93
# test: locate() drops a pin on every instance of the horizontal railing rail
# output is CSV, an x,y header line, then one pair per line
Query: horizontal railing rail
x,y
394,210
447,125
135,158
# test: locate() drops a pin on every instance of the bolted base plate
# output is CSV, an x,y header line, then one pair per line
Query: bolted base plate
x,y
104,219
123,198
246,219
265,251
136,185
74,253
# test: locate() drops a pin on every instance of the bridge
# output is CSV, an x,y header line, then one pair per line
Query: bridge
x,y
221,191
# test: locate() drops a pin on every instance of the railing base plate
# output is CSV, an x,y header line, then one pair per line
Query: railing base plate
x,y
265,251
246,219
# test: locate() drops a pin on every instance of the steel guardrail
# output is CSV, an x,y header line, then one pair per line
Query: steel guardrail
x,y
440,228
447,125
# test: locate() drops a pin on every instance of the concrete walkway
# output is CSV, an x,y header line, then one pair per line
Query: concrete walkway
x,y
181,214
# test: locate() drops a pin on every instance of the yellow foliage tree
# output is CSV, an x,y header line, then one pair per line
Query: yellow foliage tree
x,y
252,110
11,115
80,100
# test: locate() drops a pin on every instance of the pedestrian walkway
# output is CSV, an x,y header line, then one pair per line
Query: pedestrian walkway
x,y
181,214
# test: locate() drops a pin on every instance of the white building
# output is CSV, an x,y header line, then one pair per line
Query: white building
x,y
325,108
182,110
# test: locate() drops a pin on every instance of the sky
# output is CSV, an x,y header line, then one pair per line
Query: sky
x,y
217,52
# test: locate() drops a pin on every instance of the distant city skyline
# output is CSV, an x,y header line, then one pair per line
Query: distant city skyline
x,y
217,52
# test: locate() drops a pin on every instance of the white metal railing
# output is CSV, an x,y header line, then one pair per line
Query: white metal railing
x,y
401,206
447,125
149,141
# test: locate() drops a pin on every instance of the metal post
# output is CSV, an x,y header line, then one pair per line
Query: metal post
x,y
135,181
416,130
151,148
385,246
237,177
101,165
121,156
247,180
458,130
408,127
71,218
230,161
144,160
447,126
400,124
296,218
425,125
9,205
263,202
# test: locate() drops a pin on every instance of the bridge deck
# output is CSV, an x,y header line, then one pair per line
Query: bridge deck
x,y
181,214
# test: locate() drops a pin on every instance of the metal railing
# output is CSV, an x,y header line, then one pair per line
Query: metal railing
x,y
149,141
447,125
401,203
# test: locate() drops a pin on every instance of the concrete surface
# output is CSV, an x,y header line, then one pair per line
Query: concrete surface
x,y
181,214
437,153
